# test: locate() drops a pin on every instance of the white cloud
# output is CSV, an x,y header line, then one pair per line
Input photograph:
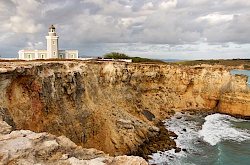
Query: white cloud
x,y
216,18
168,4
182,24
236,3
148,6
32,45
23,20
98,2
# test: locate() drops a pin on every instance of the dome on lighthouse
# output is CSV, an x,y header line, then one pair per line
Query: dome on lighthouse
x,y
52,27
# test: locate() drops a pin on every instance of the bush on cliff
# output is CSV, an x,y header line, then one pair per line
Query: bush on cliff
x,y
116,55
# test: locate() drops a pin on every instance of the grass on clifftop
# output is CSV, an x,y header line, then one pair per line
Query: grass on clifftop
x,y
226,62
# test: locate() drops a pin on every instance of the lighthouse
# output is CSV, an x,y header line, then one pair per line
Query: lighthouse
x,y
52,49
52,43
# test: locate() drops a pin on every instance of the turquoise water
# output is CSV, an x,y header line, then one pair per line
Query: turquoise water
x,y
215,139
245,72
233,153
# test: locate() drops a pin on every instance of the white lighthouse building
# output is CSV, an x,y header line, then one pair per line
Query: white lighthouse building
x,y
52,49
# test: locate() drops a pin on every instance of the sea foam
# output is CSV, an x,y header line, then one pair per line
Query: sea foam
x,y
198,135
185,126
218,127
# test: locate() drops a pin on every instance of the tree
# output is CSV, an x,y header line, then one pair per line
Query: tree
x,y
116,55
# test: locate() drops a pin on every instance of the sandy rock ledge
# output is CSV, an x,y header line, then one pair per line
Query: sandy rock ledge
x,y
29,148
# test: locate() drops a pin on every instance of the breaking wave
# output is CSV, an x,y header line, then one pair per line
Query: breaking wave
x,y
219,127
206,140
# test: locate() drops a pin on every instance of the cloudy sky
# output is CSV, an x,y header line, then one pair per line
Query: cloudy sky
x,y
165,29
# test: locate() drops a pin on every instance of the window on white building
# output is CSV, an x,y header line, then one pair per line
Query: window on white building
x,y
43,56
72,55
61,56
54,53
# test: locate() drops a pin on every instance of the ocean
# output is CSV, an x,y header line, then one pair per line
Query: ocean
x,y
215,139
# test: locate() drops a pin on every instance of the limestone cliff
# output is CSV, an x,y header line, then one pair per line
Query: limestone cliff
x,y
25,147
105,105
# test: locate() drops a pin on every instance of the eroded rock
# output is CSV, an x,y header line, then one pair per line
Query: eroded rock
x,y
27,147
5,128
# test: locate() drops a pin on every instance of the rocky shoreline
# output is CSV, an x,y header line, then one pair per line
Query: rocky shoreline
x,y
160,142
165,139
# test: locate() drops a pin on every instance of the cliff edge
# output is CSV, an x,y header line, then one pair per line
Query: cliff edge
x,y
113,106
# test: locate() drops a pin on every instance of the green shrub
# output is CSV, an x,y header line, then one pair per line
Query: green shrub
x,y
116,55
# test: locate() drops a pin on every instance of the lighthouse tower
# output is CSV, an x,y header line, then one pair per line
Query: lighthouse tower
x,y
52,43
52,49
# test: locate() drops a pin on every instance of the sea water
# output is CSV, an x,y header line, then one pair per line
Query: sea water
x,y
245,72
215,139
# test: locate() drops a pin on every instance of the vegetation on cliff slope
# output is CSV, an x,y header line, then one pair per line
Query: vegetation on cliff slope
x,y
116,55
227,62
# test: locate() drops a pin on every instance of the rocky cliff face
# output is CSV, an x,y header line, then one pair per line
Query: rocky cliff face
x,y
112,106
27,147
